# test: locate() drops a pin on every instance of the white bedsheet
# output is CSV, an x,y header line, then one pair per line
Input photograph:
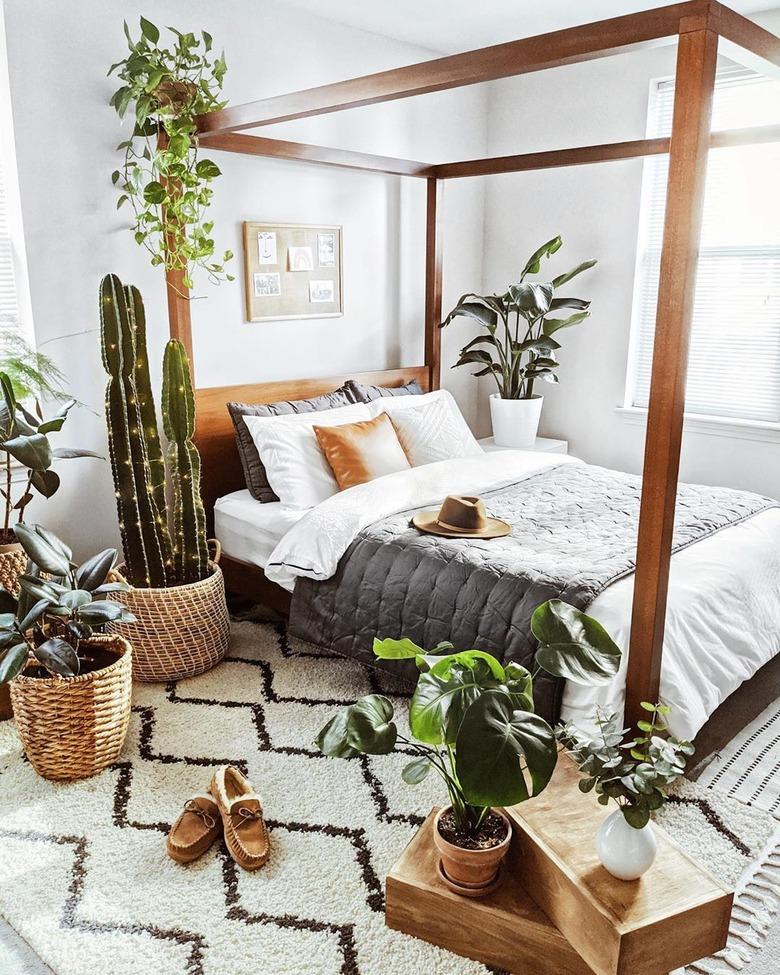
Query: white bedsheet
x,y
250,531
723,618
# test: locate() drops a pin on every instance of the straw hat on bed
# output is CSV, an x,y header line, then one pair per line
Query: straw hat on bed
x,y
461,517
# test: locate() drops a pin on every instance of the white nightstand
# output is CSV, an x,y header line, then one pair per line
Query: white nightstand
x,y
543,444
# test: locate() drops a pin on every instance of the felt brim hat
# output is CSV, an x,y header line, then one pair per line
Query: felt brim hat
x,y
461,517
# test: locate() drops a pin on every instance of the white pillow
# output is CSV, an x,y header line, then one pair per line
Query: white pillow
x,y
294,464
430,427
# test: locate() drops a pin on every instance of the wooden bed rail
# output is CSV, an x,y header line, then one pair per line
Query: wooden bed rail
x,y
699,26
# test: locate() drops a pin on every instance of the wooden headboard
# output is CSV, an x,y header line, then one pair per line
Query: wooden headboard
x,y
221,470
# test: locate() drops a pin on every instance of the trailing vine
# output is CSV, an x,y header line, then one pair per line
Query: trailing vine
x,y
163,178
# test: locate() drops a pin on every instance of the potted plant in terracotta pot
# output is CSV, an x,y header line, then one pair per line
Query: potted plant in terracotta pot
x,y
177,592
635,774
472,722
70,683
518,347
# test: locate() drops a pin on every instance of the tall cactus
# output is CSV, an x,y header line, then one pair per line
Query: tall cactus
x,y
145,397
189,518
145,541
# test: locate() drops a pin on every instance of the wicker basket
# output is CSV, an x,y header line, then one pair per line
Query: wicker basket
x,y
73,727
180,631
13,562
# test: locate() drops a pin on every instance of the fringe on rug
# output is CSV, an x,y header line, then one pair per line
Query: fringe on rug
x,y
755,905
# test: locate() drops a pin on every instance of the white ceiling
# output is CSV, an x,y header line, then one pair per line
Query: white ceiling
x,y
461,25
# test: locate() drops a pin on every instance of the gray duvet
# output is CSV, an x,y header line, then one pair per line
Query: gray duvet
x,y
573,533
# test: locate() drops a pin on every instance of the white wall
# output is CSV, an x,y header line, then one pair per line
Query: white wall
x,y
596,210
66,133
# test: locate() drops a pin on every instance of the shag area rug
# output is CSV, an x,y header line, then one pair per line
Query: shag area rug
x,y
85,880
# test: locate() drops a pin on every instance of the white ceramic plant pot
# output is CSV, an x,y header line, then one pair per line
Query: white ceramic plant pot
x,y
515,421
624,851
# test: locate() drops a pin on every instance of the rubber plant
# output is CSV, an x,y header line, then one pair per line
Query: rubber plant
x,y
59,608
518,344
472,718
159,551
163,177
24,442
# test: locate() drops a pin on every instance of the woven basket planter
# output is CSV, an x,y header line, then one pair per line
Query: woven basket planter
x,y
73,727
13,562
180,631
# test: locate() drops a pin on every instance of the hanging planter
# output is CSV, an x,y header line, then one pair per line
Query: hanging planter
x,y
163,177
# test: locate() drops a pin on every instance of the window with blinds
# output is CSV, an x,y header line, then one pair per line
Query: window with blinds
x,y
734,364
15,318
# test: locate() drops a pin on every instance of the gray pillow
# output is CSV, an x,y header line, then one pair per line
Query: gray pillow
x,y
254,472
365,394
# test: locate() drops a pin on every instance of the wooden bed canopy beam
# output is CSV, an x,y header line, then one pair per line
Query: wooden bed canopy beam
x,y
569,46
699,25
521,162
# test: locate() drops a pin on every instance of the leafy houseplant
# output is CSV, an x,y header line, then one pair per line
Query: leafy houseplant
x,y
518,346
164,179
635,774
70,685
163,555
472,722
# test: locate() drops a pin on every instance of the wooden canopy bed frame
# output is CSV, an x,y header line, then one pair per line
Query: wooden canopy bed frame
x,y
702,29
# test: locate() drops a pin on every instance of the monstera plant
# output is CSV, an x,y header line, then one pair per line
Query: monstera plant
x,y
517,343
472,718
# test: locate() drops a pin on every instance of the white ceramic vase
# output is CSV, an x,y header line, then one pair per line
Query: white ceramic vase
x,y
515,421
624,851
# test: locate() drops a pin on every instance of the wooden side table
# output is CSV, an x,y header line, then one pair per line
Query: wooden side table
x,y
558,910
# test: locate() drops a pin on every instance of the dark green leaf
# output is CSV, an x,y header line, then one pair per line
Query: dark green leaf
x,y
492,740
552,325
8,602
101,611
154,192
371,728
34,451
35,613
577,303
636,816
533,300
573,645
58,657
45,482
12,662
94,571
442,697
207,169
485,316
45,555
563,278
68,453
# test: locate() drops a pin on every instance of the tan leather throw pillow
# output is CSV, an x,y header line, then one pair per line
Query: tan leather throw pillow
x,y
359,452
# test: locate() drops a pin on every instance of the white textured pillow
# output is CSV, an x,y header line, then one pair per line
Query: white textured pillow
x,y
430,427
296,467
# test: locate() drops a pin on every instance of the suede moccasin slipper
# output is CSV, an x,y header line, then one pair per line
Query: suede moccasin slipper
x,y
195,830
246,834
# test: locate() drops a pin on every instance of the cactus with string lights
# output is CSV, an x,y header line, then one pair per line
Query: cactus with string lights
x,y
152,558
190,552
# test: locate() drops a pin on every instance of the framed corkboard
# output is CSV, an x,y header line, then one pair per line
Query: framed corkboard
x,y
292,271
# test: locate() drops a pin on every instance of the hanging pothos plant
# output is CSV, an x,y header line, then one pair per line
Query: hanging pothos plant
x,y
167,184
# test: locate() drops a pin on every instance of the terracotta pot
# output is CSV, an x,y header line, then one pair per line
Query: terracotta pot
x,y
473,872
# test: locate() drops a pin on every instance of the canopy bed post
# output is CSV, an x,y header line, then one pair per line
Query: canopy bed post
x,y
433,274
695,80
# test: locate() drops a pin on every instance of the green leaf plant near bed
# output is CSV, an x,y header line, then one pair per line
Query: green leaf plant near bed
x,y
519,344
635,774
24,441
161,549
472,718
60,605
163,177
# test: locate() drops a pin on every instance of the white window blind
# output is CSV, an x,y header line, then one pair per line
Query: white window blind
x,y
15,318
734,364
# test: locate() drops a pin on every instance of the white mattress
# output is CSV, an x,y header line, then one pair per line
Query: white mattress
x,y
723,616
248,530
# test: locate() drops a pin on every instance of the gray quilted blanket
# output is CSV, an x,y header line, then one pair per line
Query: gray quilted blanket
x,y
573,533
